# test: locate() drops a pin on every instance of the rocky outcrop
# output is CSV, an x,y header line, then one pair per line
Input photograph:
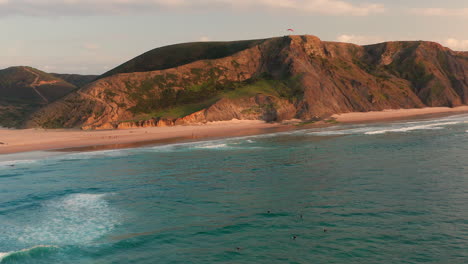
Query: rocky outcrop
x,y
272,80
153,122
259,107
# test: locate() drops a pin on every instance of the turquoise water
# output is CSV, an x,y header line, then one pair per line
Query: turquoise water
x,y
375,193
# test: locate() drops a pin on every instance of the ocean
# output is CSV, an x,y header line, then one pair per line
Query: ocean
x,y
372,193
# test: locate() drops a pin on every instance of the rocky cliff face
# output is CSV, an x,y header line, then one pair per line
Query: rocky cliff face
x,y
272,80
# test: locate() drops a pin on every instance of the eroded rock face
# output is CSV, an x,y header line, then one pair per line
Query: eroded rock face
x,y
331,78
259,107
154,122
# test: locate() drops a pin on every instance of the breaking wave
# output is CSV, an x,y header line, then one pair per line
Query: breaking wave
x,y
72,220
29,252
223,144
411,128
387,128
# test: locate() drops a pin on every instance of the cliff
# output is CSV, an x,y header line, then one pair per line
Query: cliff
x,y
272,80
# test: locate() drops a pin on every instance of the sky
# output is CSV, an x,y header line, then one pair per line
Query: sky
x,y
94,36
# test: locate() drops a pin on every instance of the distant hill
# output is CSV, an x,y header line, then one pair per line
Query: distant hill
x,y
272,80
76,79
24,90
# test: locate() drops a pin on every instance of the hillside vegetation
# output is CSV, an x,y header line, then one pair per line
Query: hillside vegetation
x,y
77,80
24,89
180,54
272,80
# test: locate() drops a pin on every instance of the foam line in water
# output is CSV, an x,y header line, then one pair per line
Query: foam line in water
x,y
387,128
13,160
72,220
339,132
411,128
213,146
93,154
12,163
27,251
218,144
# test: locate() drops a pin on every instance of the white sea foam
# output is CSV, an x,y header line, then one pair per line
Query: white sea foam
x,y
42,157
218,144
411,128
167,148
349,131
13,163
390,128
4,255
74,219
91,154
213,146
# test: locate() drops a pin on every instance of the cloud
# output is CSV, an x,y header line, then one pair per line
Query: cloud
x,y
97,7
360,39
456,44
440,12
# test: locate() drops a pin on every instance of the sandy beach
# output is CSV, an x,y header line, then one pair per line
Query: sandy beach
x,y
24,140
398,114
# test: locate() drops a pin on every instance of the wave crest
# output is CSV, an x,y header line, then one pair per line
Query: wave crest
x,y
28,252
71,220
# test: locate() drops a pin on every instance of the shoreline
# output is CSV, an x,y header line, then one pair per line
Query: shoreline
x,y
69,140
398,114
28,140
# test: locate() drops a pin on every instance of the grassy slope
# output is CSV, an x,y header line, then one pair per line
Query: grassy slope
x,y
198,97
18,99
181,54
15,85
76,79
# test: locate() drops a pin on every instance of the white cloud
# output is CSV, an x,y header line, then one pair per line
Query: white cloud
x,y
441,12
90,7
360,39
456,44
